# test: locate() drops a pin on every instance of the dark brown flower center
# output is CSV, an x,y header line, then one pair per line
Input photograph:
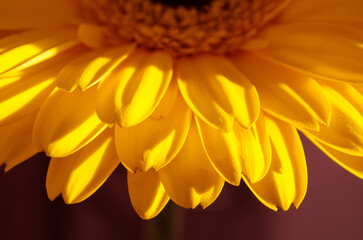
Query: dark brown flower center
x,y
182,27
199,4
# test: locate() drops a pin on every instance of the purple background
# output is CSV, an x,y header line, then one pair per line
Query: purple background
x,y
332,209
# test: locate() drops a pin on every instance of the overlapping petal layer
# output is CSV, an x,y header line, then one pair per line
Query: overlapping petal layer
x,y
135,88
67,122
34,46
345,131
135,104
220,94
88,69
286,181
154,142
79,175
286,94
190,180
238,151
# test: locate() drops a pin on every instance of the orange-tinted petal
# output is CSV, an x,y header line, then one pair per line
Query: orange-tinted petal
x,y
20,14
337,10
325,50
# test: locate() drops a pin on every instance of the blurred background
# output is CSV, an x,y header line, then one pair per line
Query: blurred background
x,y
332,209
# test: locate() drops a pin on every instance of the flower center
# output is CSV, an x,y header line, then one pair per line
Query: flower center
x,y
187,3
181,27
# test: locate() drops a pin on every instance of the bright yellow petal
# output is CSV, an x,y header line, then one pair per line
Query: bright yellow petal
x,y
190,179
325,50
16,143
20,14
79,175
293,97
224,151
167,102
134,89
89,69
147,194
66,122
154,142
345,131
286,181
217,92
257,150
237,151
32,47
26,95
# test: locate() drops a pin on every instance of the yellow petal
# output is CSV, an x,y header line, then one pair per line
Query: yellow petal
x,y
286,181
237,151
154,142
32,47
359,88
132,92
325,50
56,62
20,14
254,44
293,97
256,158
190,179
147,194
79,175
66,122
88,69
167,102
26,95
16,143
303,10
353,164
92,35
345,131
217,92
224,151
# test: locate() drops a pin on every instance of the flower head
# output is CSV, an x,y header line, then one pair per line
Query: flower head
x,y
187,95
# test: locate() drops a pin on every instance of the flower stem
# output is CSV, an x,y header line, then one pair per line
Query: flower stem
x,y
168,225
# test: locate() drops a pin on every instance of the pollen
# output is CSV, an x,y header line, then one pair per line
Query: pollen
x,y
218,26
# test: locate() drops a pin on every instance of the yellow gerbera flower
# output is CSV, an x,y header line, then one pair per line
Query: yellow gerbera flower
x,y
185,94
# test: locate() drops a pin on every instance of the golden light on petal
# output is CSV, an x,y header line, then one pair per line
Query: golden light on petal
x,y
186,95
